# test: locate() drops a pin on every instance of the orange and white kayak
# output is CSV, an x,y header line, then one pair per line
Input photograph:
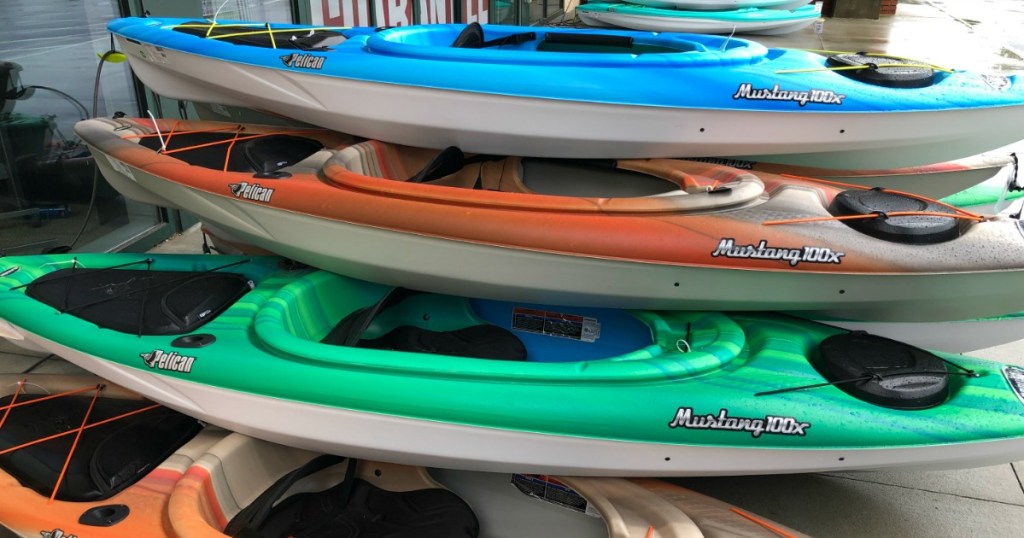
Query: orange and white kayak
x,y
211,477
650,233
225,490
120,472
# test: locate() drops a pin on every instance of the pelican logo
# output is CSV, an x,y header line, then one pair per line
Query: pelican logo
x,y
773,424
727,247
251,191
821,97
305,61
170,361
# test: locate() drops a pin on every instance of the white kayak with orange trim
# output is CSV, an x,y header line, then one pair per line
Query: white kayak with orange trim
x,y
676,235
230,478
96,496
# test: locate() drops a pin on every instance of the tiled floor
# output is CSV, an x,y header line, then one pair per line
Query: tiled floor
x,y
989,501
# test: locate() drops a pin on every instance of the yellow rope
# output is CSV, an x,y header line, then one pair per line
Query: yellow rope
x,y
855,68
879,54
261,30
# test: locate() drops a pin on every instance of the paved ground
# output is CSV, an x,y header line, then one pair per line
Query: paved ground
x,y
989,501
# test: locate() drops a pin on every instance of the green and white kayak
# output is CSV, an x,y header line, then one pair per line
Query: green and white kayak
x,y
748,20
323,362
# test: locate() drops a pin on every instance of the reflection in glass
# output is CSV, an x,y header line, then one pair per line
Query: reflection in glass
x,y
48,197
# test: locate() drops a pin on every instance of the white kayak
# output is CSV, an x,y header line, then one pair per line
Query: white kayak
x,y
225,486
723,5
658,19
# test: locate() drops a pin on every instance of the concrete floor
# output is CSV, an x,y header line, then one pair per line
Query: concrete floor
x,y
989,501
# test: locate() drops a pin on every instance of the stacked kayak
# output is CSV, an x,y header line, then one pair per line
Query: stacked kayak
x,y
231,488
327,363
957,336
143,470
661,233
724,5
547,92
659,19
120,469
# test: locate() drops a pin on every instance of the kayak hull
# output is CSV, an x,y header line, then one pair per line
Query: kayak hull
x,y
596,392
508,252
534,122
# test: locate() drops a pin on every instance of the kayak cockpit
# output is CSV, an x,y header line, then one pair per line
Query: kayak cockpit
x,y
490,43
569,185
331,319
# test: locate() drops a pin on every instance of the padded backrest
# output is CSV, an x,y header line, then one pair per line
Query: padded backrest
x,y
471,37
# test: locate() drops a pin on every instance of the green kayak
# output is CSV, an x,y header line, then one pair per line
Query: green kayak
x,y
324,362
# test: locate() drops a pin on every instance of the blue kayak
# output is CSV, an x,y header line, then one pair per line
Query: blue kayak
x,y
560,92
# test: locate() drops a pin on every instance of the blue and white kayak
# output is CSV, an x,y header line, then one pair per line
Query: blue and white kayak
x,y
587,93
657,19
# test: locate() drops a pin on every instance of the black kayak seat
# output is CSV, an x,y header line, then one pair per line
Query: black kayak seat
x,y
353,508
269,154
477,341
472,37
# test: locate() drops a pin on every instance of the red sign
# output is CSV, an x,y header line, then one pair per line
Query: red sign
x,y
393,12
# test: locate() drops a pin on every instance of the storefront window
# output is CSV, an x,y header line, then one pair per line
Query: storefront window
x,y
399,12
50,194
248,10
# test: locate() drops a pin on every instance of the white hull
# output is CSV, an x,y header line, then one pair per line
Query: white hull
x,y
437,444
507,125
656,23
240,467
949,336
723,5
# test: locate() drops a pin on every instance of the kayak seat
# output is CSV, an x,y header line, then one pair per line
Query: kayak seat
x,y
352,508
269,154
478,341
588,178
107,458
482,341
472,37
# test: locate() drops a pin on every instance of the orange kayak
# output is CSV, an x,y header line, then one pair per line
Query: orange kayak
x,y
207,482
649,233
121,474
223,487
